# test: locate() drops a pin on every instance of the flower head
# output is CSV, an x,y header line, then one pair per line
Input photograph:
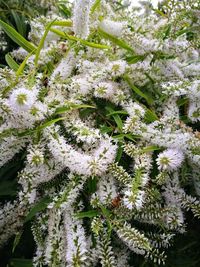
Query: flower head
x,y
170,159
111,27
21,99
35,157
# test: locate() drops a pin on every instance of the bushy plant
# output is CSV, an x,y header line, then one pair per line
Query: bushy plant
x,y
18,13
102,110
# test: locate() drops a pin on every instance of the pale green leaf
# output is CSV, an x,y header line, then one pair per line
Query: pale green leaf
x,y
11,62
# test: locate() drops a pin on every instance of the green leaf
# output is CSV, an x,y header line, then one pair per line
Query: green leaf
x,y
92,185
19,21
16,240
182,101
62,23
150,116
11,62
41,44
135,58
137,90
76,39
69,107
149,149
116,118
21,263
167,32
105,211
8,188
128,136
66,12
159,12
95,6
40,127
118,121
119,153
87,214
115,40
23,64
16,37
105,129
39,206
121,112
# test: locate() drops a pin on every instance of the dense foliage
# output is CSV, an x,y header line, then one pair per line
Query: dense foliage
x,y
100,148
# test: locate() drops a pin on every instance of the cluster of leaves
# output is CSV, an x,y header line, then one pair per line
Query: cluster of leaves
x,y
18,13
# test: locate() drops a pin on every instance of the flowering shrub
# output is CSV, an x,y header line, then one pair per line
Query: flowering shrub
x,y
18,13
104,107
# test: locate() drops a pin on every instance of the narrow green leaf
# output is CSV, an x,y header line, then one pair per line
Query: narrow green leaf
x,y
121,112
93,45
39,206
16,37
132,137
137,90
159,12
150,116
23,64
16,240
41,43
21,26
76,39
66,12
118,121
119,152
62,23
40,127
87,214
116,118
95,6
167,32
105,211
92,185
128,136
149,149
21,263
135,58
49,123
105,129
182,101
115,40
63,109
11,62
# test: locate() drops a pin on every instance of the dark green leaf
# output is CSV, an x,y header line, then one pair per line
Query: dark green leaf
x,y
8,188
69,107
115,40
21,263
150,116
135,58
39,206
119,153
138,91
16,240
19,21
16,37
87,214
